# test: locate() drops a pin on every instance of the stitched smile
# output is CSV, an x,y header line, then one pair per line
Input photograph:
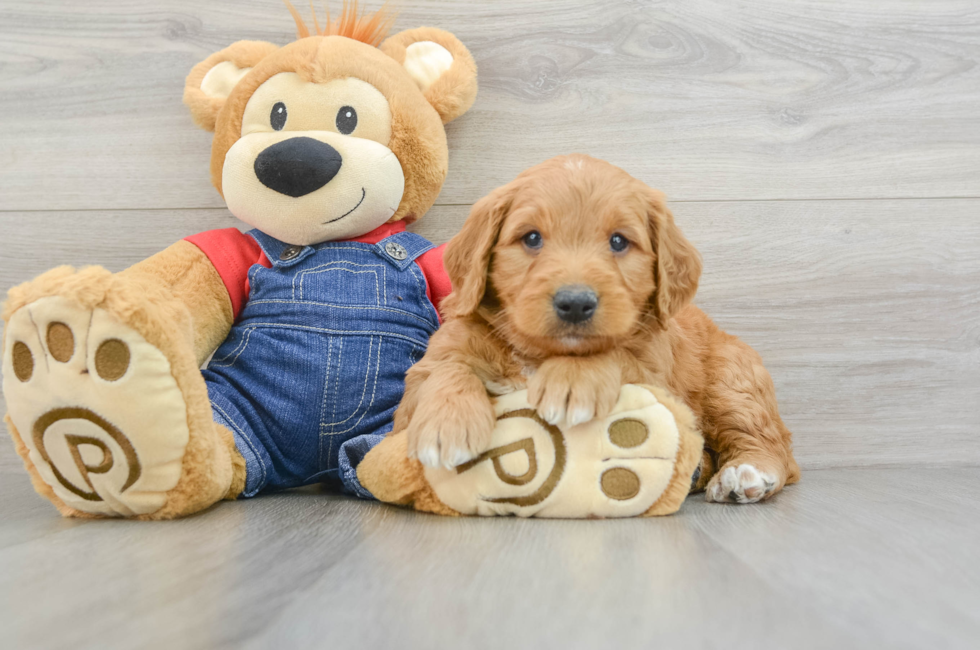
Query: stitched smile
x,y
363,194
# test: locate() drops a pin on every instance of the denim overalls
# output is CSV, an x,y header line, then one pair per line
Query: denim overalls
x,y
309,377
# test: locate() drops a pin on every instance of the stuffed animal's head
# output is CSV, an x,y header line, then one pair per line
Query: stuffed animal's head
x,y
332,135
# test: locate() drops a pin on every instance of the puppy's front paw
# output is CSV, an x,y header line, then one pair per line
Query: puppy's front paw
x,y
573,390
740,484
451,430
504,385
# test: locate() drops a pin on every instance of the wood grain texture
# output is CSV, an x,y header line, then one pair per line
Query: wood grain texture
x,y
756,118
867,313
712,100
847,559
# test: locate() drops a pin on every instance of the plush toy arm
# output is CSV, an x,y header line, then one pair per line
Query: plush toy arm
x,y
186,271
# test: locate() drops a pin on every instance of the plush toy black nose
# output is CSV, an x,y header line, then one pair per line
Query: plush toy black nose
x,y
575,304
297,166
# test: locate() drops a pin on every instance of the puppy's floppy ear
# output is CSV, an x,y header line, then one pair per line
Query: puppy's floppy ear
x,y
467,256
677,268
440,65
211,81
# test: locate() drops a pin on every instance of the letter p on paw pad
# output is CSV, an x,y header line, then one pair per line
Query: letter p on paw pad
x,y
636,461
76,380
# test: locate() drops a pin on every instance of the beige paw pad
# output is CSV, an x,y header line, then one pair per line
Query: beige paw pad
x,y
97,407
618,466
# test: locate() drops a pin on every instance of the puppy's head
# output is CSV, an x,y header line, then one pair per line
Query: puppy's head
x,y
572,257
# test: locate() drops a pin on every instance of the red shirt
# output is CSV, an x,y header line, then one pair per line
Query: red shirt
x,y
233,253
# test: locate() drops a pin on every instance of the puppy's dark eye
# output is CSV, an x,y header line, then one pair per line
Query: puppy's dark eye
x,y
278,116
346,120
618,243
533,240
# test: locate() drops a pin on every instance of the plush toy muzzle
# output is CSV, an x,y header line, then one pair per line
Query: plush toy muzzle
x,y
312,187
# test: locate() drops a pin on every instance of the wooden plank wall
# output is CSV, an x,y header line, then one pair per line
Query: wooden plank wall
x,y
823,154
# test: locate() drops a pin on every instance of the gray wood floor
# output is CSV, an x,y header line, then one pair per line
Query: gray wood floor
x,y
824,155
852,558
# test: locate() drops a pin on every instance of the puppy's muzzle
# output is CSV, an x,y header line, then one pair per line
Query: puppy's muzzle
x,y
575,304
297,166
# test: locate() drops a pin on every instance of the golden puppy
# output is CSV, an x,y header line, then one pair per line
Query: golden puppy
x,y
573,280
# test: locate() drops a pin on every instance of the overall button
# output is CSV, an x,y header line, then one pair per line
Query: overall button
x,y
291,252
397,251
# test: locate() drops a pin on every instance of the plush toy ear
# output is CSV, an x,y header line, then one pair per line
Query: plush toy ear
x,y
441,66
210,81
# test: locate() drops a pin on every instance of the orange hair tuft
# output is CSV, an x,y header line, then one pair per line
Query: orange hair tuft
x,y
367,28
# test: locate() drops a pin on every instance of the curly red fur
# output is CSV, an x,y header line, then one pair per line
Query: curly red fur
x,y
502,330
370,28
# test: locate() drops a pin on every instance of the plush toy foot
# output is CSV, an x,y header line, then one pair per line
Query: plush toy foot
x,y
637,461
97,411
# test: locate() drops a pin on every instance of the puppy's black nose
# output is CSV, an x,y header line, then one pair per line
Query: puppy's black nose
x,y
575,304
297,166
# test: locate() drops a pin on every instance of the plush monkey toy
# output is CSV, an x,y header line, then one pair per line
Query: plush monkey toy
x,y
328,147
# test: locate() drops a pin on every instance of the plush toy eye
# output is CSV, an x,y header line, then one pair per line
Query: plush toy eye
x,y
618,243
533,240
278,116
346,120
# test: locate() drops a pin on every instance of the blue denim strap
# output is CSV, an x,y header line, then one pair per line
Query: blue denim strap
x,y
402,249
280,253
